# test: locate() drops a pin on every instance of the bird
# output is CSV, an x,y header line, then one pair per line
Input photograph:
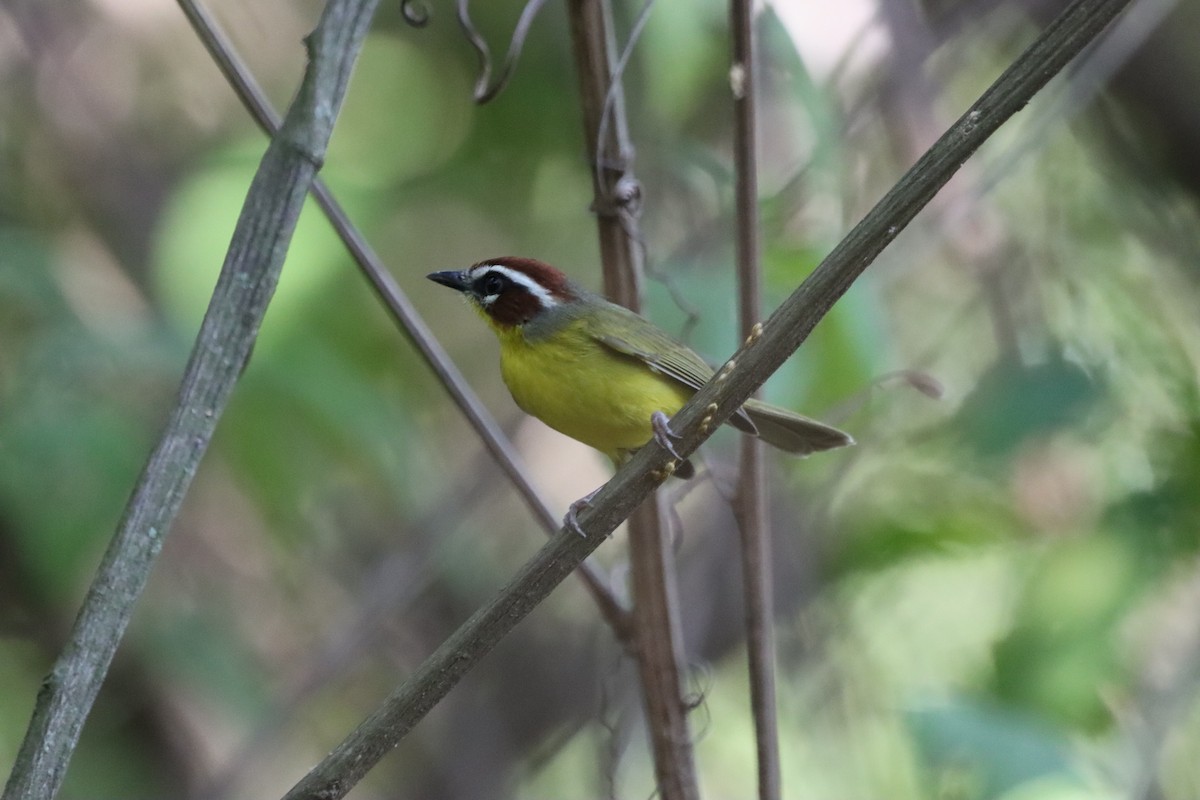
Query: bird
x,y
600,373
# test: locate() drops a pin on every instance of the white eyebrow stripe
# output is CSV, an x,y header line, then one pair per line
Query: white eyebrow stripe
x,y
520,278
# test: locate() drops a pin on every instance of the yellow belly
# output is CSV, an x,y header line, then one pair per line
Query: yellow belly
x,y
581,388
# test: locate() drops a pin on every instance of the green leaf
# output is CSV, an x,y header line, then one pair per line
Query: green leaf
x,y
1014,402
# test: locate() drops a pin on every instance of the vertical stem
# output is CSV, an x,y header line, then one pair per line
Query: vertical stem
x,y
609,151
659,645
750,501
655,613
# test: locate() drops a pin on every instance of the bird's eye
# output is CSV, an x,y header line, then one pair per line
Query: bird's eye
x,y
491,284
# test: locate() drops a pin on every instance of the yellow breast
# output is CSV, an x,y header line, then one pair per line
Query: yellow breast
x,y
581,388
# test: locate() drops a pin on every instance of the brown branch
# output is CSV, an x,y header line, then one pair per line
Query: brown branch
x,y
659,637
616,190
657,629
244,288
783,333
402,311
750,499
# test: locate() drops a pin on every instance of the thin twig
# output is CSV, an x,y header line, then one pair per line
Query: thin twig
x,y
401,310
244,288
750,500
485,89
614,96
656,623
751,365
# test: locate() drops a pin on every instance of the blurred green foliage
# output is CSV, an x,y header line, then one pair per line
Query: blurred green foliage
x,y
992,596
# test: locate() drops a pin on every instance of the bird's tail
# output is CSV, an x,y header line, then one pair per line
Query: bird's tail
x,y
792,432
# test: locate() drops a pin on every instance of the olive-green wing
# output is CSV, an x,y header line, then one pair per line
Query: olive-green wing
x,y
626,333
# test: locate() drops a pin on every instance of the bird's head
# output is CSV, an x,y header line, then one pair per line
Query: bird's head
x,y
510,291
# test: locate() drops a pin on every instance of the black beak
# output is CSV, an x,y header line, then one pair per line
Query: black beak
x,y
452,278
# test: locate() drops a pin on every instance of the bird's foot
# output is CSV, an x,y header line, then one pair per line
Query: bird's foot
x,y
663,433
571,520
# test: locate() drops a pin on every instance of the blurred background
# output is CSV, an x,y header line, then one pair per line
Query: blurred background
x,y
994,595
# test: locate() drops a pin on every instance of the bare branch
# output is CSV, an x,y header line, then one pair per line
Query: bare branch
x,y
616,190
783,333
244,288
750,500
659,636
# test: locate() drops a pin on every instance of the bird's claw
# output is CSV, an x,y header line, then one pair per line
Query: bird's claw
x,y
663,433
571,520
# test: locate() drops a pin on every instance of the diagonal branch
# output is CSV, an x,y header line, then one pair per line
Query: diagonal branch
x,y
244,288
783,333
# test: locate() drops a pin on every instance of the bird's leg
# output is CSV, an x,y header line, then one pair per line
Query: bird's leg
x,y
571,520
663,433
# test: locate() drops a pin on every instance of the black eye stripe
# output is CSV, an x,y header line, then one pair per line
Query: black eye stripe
x,y
491,283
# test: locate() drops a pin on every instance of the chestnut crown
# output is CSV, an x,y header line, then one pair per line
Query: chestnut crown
x,y
510,290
